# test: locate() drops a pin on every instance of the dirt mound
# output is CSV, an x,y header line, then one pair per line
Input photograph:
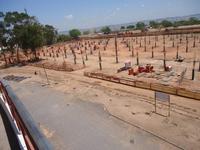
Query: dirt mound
x,y
58,66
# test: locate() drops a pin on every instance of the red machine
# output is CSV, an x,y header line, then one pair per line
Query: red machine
x,y
147,69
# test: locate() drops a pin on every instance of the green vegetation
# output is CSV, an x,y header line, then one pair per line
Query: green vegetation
x,y
106,30
140,26
18,30
163,23
130,27
63,38
49,34
74,33
122,28
86,32
167,23
154,24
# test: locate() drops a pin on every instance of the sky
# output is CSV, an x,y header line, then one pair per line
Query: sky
x,y
68,14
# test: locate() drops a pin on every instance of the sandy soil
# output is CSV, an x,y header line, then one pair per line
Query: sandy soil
x,y
133,105
82,48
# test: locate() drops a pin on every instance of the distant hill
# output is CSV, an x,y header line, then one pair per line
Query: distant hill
x,y
118,26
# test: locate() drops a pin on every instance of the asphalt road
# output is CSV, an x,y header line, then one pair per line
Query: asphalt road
x,y
73,124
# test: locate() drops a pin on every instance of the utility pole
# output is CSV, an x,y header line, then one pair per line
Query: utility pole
x,y
177,54
186,49
194,43
145,47
152,53
132,50
100,66
137,58
129,45
164,43
74,54
193,69
86,56
82,58
199,65
65,51
46,74
116,50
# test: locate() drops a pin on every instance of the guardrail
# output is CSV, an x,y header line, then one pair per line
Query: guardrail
x,y
28,135
174,90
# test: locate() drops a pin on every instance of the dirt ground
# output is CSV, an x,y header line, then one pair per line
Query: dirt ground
x,y
88,51
132,105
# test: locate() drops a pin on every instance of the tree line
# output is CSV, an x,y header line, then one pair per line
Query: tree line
x,y
161,24
20,31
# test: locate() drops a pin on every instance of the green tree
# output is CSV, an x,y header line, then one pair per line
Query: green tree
x,y
193,21
74,33
106,30
86,32
154,24
140,26
14,22
32,37
63,38
122,28
50,34
130,27
166,23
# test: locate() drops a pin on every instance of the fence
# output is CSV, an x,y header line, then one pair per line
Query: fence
x,y
146,85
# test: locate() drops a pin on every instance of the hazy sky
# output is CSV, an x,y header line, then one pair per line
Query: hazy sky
x,y
68,14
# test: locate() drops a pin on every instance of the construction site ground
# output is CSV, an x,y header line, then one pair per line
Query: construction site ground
x,y
133,106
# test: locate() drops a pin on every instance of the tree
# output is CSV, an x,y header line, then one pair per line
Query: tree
x,y
193,21
3,40
32,37
49,34
74,33
106,30
154,24
63,38
130,27
166,23
140,26
122,28
86,32
14,22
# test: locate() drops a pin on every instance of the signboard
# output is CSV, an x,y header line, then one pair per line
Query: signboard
x,y
162,99
162,96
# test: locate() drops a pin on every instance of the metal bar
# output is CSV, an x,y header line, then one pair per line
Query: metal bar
x,y
28,133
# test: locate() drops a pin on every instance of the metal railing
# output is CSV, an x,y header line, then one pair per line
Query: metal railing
x,y
28,135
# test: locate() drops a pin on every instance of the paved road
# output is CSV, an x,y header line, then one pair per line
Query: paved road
x,y
72,124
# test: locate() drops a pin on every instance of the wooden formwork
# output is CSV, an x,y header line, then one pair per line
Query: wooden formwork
x,y
146,85
142,84
127,81
186,93
164,88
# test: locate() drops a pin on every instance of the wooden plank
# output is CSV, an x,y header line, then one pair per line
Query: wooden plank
x,y
197,96
152,86
127,82
185,93
163,88
142,84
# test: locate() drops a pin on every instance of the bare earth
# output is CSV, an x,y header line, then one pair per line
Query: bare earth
x,y
132,105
